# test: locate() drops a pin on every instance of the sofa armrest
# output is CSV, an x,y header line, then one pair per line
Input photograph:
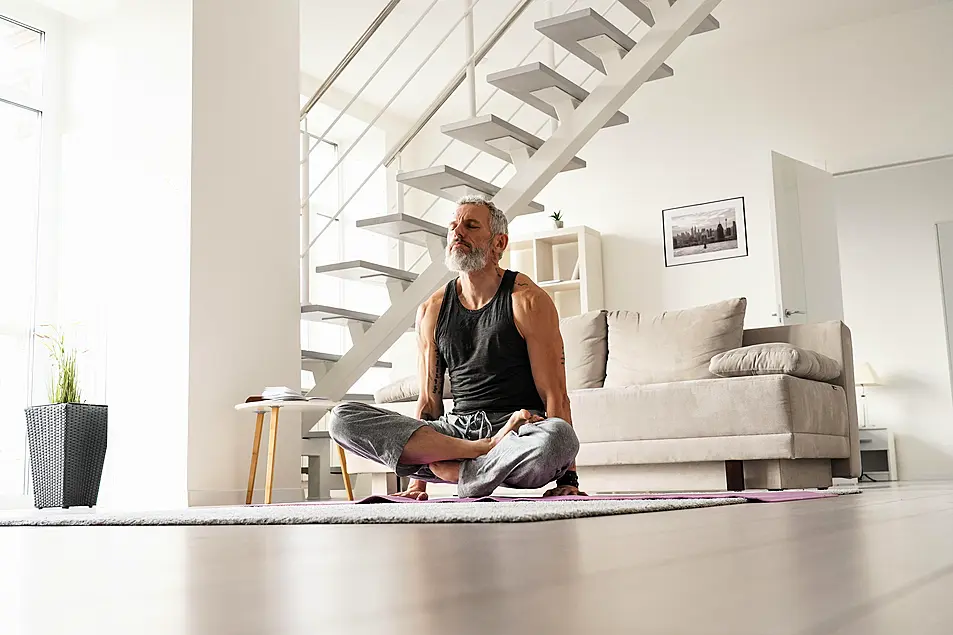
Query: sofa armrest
x,y
834,340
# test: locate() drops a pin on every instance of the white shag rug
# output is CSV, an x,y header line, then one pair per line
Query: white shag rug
x,y
330,514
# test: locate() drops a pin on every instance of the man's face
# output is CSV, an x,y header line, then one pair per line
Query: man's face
x,y
469,241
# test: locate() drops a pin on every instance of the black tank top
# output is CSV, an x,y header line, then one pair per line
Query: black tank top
x,y
485,353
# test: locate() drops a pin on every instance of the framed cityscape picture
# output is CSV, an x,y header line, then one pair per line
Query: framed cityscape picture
x,y
704,232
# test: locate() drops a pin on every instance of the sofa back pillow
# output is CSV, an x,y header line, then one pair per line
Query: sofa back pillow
x,y
672,346
775,359
585,341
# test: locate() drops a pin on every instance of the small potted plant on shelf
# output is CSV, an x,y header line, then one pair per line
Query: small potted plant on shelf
x,y
67,437
557,219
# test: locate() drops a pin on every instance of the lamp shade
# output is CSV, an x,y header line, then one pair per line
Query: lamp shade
x,y
864,375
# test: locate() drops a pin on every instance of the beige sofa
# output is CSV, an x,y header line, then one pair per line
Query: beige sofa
x,y
690,400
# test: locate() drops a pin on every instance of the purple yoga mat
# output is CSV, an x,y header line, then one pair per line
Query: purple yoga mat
x,y
758,497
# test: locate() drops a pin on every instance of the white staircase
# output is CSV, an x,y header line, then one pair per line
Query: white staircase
x,y
585,34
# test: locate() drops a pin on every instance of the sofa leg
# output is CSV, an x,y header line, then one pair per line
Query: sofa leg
x,y
735,476
777,474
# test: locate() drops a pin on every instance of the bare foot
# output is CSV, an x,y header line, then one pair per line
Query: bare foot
x,y
517,420
415,494
447,471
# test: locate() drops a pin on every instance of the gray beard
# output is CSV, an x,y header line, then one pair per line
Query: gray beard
x,y
461,262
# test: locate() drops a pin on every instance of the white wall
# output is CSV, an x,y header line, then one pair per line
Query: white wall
x,y
132,169
893,303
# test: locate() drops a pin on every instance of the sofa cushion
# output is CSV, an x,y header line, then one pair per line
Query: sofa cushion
x,y
586,345
778,358
765,404
672,346
406,389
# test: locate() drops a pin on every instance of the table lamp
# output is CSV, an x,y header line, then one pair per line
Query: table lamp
x,y
864,376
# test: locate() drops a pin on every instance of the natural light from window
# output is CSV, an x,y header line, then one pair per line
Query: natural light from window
x,y
21,59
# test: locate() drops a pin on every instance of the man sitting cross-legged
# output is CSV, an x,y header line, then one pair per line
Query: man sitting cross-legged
x,y
497,334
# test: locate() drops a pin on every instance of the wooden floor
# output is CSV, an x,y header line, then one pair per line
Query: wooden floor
x,y
879,563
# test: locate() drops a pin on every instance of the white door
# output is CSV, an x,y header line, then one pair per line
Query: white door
x,y
807,260
944,240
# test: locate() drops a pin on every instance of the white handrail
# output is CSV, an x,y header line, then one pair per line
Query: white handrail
x,y
390,101
349,57
371,78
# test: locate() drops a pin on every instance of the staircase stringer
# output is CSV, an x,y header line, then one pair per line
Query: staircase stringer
x,y
383,334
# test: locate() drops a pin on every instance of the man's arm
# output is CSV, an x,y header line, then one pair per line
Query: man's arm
x,y
430,369
538,322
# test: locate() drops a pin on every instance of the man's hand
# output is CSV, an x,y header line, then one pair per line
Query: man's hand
x,y
564,490
417,491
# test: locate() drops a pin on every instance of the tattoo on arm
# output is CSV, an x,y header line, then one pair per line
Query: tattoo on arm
x,y
438,376
563,358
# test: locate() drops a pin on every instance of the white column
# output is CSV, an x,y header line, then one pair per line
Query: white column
x,y
244,314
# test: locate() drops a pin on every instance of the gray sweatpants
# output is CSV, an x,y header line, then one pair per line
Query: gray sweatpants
x,y
533,456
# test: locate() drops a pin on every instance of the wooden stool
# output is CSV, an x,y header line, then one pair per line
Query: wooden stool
x,y
260,407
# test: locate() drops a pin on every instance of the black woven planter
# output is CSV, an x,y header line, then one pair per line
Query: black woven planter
x,y
67,450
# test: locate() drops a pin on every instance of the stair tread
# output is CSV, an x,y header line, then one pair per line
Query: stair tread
x,y
404,227
440,179
318,356
522,81
478,131
570,29
364,271
329,314
644,13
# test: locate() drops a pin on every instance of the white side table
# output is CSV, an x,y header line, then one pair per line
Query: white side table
x,y
878,454
260,407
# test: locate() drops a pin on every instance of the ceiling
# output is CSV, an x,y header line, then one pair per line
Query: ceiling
x,y
82,9
330,27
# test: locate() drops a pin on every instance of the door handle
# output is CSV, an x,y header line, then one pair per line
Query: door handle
x,y
789,313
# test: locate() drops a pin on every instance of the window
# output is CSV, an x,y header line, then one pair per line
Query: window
x,y
21,60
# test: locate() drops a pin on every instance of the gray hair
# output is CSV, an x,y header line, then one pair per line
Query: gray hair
x,y
498,223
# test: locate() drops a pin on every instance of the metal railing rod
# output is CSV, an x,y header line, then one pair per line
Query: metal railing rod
x,y
390,101
455,83
360,90
348,57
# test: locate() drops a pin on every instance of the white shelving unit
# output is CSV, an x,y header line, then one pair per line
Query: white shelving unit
x,y
566,262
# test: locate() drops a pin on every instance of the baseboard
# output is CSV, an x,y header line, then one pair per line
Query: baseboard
x,y
662,477
16,502
210,498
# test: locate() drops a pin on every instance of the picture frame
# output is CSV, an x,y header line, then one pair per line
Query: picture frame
x,y
703,232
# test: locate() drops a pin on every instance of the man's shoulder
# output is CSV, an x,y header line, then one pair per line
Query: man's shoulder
x,y
523,283
433,303
527,295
